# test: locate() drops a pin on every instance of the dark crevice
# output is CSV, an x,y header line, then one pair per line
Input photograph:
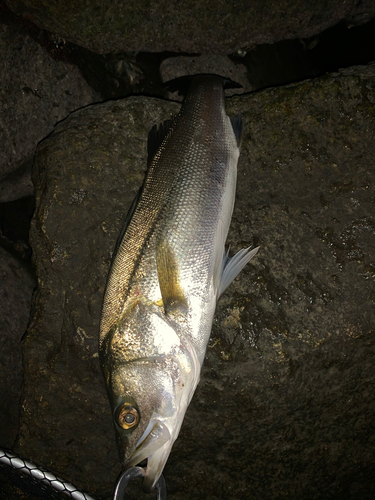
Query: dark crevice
x,y
290,61
15,218
123,74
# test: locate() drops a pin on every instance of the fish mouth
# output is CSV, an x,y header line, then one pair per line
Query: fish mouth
x,y
154,445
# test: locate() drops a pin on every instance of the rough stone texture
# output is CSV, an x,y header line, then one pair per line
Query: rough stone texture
x,y
284,409
209,26
16,287
36,92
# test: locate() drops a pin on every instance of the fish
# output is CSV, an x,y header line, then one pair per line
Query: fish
x,y
169,269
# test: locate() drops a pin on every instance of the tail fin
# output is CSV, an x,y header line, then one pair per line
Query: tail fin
x,y
182,84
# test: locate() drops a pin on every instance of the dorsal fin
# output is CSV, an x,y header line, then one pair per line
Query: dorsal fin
x,y
128,218
156,137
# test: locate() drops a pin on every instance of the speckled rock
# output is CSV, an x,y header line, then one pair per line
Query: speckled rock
x,y
216,27
284,409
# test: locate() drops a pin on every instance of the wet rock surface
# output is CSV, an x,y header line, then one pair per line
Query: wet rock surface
x,y
284,408
218,27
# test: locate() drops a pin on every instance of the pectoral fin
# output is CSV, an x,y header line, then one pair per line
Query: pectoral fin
x,y
171,291
232,266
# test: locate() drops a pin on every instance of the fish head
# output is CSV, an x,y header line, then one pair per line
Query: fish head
x,y
146,415
149,397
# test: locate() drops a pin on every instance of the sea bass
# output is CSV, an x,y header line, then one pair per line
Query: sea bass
x,y
167,275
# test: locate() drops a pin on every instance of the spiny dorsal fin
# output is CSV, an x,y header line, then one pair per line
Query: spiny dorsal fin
x,y
168,274
128,218
156,137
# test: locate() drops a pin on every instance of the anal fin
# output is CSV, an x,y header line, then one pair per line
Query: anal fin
x,y
233,266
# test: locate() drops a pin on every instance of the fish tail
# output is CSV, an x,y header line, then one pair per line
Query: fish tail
x,y
182,84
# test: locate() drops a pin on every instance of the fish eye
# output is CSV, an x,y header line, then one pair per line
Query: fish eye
x,y
127,416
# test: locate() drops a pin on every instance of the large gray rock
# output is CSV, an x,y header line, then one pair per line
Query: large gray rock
x,y
284,408
207,26
36,92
